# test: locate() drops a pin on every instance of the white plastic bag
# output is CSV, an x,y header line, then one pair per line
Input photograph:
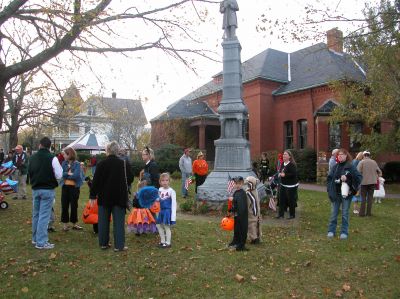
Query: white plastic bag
x,y
345,189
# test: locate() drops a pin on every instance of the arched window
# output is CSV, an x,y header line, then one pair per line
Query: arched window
x,y
302,133
288,134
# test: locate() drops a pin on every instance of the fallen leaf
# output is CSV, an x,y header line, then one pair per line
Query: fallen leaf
x,y
397,258
339,293
287,270
253,278
327,291
346,287
307,263
239,278
24,290
52,256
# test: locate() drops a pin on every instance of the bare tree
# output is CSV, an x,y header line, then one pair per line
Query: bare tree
x,y
57,26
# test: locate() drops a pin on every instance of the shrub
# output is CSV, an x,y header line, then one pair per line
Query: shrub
x,y
187,205
391,171
203,208
167,157
306,161
176,175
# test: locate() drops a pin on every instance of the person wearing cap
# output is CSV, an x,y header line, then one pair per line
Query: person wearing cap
x,y
200,170
333,159
240,213
185,165
370,172
20,160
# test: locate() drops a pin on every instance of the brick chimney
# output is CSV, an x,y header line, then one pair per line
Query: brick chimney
x,y
335,40
114,95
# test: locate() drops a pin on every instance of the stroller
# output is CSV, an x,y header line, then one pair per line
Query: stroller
x,y
3,203
271,188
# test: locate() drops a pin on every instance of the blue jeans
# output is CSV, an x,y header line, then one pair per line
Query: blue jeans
x,y
41,211
185,175
345,203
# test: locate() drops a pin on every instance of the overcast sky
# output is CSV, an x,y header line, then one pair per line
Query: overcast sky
x,y
159,80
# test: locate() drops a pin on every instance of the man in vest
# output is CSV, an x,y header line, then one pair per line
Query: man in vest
x,y
20,160
44,170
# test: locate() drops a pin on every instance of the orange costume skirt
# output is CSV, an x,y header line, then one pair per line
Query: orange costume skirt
x,y
141,221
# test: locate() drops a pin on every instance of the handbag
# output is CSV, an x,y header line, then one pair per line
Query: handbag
x,y
90,213
128,201
377,184
68,182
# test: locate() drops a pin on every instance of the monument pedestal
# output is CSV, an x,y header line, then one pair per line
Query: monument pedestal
x,y
232,150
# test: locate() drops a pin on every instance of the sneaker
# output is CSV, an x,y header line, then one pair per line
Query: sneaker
x,y
160,245
232,245
118,249
355,211
45,246
51,229
330,235
379,200
167,245
33,242
343,237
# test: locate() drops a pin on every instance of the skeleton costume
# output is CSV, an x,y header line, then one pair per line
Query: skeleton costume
x,y
254,214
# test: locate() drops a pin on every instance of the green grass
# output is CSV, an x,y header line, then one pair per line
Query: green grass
x,y
293,261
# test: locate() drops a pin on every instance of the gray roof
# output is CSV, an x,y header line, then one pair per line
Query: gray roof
x,y
310,67
115,105
316,66
188,110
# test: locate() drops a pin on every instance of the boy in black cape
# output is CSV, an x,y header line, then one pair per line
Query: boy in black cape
x,y
239,210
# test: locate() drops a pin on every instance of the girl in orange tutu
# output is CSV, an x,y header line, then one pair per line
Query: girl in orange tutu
x,y
141,220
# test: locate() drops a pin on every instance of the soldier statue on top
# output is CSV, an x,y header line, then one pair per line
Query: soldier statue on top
x,y
229,8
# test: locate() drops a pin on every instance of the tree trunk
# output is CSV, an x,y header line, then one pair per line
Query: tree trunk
x,y
13,139
2,101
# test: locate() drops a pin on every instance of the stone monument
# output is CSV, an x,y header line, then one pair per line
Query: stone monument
x,y
232,149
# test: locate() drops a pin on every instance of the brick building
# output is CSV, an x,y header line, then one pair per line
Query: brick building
x,y
288,98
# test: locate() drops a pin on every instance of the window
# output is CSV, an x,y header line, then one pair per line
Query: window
x,y
355,133
288,134
302,133
335,136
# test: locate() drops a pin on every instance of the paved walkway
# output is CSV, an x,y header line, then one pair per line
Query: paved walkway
x,y
322,188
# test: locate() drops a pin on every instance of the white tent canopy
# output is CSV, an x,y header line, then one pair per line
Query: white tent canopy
x,y
90,141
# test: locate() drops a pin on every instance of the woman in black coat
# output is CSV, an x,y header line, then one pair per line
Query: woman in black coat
x,y
342,172
288,186
151,172
110,185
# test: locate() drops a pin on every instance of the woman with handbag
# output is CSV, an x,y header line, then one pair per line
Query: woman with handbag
x,y
110,185
71,182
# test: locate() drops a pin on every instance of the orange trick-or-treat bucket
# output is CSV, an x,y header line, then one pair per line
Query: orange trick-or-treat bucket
x,y
227,223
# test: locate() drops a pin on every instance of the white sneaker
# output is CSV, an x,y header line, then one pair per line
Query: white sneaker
x,y
45,246
379,200
355,211
343,237
330,235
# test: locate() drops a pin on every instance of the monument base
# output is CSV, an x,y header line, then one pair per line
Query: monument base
x,y
214,190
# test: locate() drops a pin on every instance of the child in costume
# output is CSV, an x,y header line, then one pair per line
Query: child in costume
x,y
240,213
253,205
379,194
140,220
167,215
